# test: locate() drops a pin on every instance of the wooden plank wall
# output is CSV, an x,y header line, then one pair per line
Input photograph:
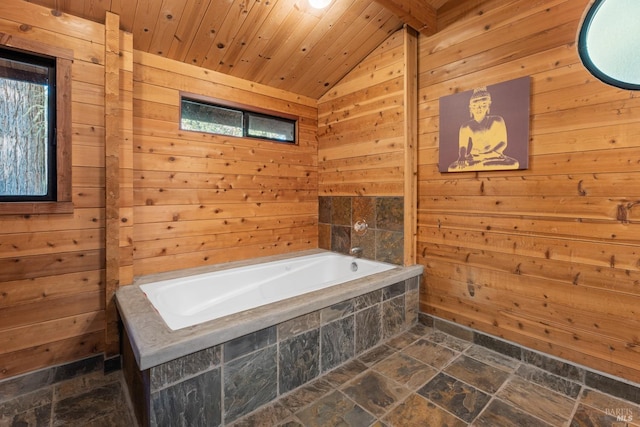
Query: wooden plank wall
x,y
547,257
52,295
203,199
361,127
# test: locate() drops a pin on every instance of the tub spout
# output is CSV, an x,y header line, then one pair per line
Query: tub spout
x,y
356,252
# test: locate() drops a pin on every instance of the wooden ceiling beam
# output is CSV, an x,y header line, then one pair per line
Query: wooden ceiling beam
x,y
418,14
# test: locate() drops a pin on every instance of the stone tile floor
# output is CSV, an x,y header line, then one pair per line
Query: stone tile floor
x,y
93,399
427,378
423,377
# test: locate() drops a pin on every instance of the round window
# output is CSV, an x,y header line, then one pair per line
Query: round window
x,y
609,42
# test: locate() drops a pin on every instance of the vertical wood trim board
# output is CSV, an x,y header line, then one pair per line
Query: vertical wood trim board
x,y
410,144
112,178
126,218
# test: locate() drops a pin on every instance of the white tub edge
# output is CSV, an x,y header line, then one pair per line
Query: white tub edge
x,y
153,343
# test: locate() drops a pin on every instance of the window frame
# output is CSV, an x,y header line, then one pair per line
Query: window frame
x,y
63,181
244,109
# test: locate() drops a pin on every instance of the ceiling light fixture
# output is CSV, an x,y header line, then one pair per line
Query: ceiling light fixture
x,y
319,4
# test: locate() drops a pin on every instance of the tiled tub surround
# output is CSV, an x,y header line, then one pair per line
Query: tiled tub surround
x,y
384,239
215,372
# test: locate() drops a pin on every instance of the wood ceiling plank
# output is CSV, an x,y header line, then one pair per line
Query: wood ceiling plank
x,y
330,41
338,44
253,58
126,10
360,47
190,21
283,46
235,54
211,23
287,71
166,27
144,23
227,33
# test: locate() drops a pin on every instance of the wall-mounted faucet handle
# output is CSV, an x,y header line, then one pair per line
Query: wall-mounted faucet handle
x,y
360,227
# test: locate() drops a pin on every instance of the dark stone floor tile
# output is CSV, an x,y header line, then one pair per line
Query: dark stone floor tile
x,y
34,416
607,403
403,340
452,342
84,384
376,354
416,411
462,400
485,377
541,402
406,370
91,408
292,422
589,417
306,394
421,329
549,380
265,417
374,392
345,373
430,353
335,409
24,403
24,384
499,413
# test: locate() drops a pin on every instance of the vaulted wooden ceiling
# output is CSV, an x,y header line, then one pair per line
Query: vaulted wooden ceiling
x,y
285,44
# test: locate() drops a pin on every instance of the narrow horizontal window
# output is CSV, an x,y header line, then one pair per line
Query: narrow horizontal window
x,y
201,116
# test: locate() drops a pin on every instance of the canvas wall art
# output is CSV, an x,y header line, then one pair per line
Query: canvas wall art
x,y
486,128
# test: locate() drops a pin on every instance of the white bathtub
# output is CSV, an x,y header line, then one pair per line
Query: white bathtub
x,y
191,300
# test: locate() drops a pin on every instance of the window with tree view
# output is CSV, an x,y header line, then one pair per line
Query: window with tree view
x,y
27,127
211,118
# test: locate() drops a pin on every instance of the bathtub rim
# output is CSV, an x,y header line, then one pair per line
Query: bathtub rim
x,y
154,343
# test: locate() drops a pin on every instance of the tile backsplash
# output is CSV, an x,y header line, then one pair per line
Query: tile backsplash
x,y
384,239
